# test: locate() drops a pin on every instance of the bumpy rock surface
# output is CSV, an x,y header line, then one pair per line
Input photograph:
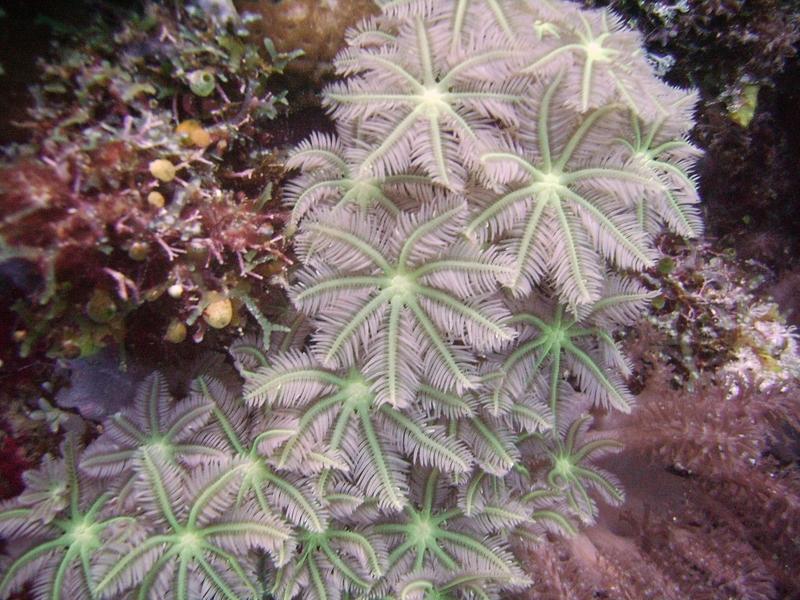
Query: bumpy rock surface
x,y
315,26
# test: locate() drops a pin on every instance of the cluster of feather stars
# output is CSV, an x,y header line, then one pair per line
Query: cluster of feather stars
x,y
497,165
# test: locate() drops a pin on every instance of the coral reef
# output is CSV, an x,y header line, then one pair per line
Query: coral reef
x,y
145,186
446,415
718,46
713,317
742,56
457,245
712,501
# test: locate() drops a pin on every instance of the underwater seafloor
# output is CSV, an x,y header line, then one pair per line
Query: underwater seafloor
x,y
148,170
